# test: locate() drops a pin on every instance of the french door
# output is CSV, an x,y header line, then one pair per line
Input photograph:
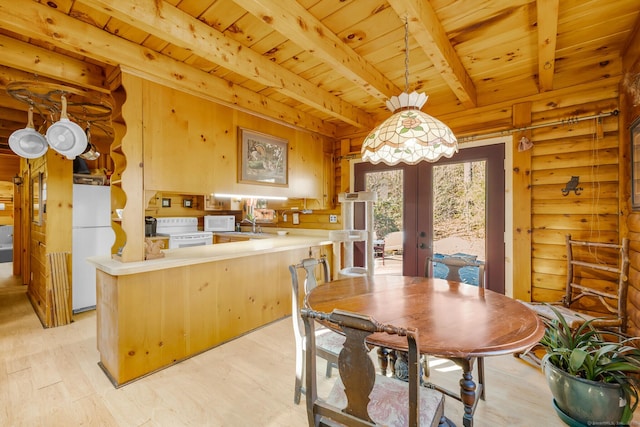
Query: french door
x,y
453,206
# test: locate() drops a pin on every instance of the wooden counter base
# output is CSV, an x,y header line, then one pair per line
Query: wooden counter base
x,y
150,320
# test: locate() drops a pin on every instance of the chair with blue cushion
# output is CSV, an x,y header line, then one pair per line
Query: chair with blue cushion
x,y
459,268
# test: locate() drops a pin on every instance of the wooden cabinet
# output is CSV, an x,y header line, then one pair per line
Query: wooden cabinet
x,y
150,320
328,189
225,238
173,142
189,145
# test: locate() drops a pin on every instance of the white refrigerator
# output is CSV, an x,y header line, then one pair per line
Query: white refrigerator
x,y
92,235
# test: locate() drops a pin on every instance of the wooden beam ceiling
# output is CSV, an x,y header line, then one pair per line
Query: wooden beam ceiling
x,y
42,22
292,20
320,65
38,61
425,27
179,28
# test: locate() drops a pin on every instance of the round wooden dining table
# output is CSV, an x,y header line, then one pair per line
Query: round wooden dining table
x,y
456,321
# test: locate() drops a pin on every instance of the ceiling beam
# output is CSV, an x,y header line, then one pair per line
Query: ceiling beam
x,y
293,21
42,62
41,22
171,24
427,30
547,11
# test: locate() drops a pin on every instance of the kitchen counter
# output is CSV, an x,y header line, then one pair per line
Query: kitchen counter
x,y
259,243
152,314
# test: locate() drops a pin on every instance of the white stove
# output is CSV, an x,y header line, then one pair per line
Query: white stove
x,y
183,232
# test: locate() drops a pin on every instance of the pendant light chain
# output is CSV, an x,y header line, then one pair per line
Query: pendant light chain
x,y
406,55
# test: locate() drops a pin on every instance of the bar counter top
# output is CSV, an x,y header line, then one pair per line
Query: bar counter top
x,y
259,244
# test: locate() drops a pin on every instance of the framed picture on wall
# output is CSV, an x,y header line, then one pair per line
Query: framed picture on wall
x,y
635,165
262,158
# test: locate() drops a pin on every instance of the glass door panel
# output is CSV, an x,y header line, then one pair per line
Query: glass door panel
x,y
452,206
459,209
388,213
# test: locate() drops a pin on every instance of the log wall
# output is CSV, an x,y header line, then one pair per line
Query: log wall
x,y
6,201
589,149
631,112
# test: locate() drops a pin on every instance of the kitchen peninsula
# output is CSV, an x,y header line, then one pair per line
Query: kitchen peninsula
x,y
152,314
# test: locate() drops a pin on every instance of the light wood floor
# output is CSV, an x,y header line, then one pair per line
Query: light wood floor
x,y
50,377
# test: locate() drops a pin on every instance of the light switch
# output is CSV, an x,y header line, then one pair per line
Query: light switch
x,y
296,218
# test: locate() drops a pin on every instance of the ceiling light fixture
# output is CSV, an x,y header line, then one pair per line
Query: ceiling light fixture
x,y
409,135
246,196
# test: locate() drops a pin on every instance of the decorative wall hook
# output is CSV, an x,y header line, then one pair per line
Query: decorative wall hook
x,y
572,185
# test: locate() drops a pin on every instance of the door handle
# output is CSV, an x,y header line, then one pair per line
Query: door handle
x,y
423,246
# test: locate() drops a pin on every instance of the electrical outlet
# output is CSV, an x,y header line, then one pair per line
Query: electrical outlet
x,y
295,218
333,219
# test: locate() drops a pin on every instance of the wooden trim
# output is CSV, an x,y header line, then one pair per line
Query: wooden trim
x,y
521,207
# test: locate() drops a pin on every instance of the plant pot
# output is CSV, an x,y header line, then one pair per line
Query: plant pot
x,y
588,402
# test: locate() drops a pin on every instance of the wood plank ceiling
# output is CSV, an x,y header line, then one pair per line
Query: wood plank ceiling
x,y
327,66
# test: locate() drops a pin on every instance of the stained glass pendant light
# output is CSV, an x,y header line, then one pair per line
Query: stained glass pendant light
x,y
409,135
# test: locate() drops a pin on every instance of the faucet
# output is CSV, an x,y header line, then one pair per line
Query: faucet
x,y
251,220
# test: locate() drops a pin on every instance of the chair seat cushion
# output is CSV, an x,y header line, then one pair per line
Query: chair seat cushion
x,y
329,340
390,402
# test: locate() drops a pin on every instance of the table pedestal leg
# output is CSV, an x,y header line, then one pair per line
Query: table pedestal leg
x,y
467,390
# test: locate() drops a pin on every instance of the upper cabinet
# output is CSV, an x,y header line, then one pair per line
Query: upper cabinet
x,y
191,145
173,142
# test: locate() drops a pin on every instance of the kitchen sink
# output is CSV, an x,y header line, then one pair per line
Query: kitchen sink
x,y
250,234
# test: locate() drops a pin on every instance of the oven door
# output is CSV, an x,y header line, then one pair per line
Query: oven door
x,y
185,241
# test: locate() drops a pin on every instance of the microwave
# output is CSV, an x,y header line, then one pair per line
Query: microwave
x,y
219,222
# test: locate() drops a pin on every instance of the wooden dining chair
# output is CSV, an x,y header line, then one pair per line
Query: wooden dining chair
x,y
460,269
596,288
328,343
360,397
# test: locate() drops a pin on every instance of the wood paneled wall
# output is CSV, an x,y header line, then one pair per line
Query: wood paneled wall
x,y
174,142
631,64
588,149
53,234
6,199
9,166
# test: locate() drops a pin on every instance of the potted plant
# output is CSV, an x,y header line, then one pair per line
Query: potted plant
x,y
593,380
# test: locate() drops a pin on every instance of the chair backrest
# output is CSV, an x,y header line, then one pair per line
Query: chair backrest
x,y
598,279
309,266
455,266
357,370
